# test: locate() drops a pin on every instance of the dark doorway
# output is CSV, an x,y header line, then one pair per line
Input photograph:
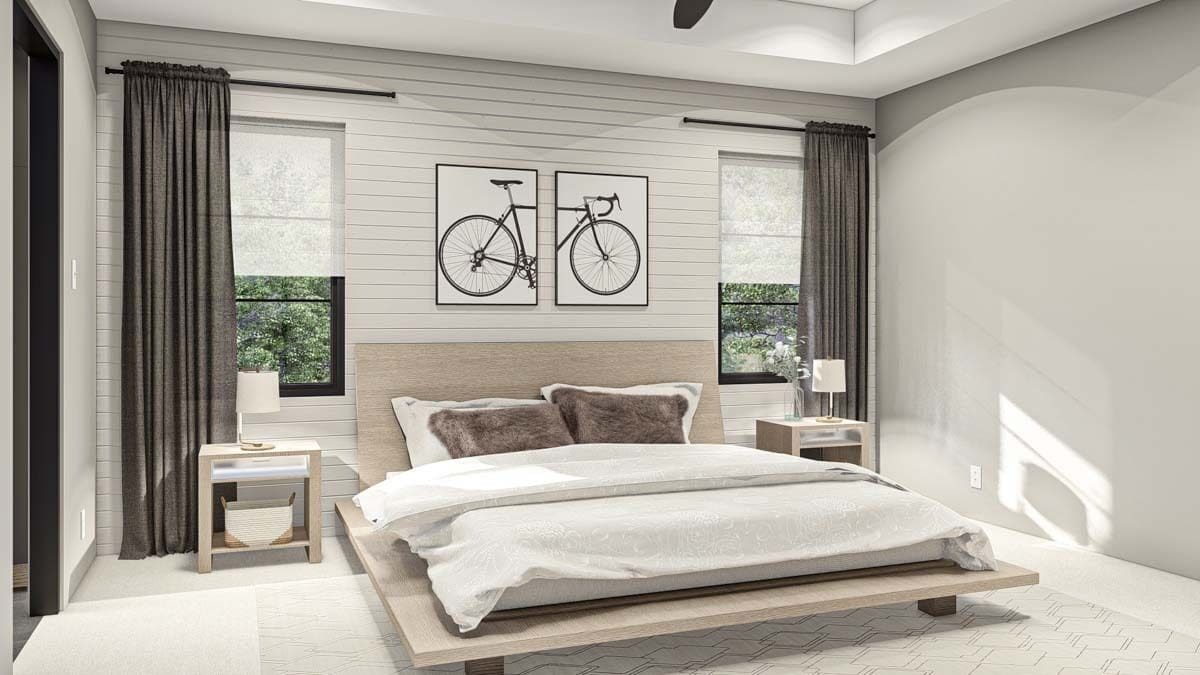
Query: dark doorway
x,y
37,301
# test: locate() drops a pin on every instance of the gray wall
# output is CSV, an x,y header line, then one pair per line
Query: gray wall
x,y
1039,287
467,111
85,19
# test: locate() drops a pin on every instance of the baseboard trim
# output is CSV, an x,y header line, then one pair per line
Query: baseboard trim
x,y
77,574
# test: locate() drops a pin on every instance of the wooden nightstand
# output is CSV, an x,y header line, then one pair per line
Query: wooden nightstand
x,y
292,460
848,441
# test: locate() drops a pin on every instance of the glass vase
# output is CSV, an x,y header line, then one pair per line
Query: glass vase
x,y
797,407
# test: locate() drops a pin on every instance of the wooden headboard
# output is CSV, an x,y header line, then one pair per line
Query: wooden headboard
x,y
464,371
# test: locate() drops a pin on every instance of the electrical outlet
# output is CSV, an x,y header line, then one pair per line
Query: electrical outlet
x,y
976,477
82,524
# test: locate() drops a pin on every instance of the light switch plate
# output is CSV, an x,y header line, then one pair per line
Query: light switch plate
x,y
976,477
74,274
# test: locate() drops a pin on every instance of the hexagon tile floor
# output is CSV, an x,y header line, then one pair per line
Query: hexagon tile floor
x,y
339,626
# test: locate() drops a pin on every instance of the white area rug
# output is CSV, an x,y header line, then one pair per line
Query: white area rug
x,y
186,633
339,626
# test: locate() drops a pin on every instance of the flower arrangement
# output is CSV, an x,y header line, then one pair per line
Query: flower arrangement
x,y
784,361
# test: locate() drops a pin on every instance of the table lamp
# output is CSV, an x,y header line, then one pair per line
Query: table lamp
x,y
257,392
829,376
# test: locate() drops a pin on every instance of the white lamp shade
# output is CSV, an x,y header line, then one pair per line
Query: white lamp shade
x,y
829,375
258,392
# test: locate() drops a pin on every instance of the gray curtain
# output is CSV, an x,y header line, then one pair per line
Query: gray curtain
x,y
179,332
835,257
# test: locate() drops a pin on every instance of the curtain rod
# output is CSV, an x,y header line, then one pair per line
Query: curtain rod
x,y
288,85
749,125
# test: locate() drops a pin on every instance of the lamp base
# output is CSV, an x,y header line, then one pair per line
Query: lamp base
x,y
828,419
252,445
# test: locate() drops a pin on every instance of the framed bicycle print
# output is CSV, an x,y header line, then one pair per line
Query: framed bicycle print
x,y
601,239
486,239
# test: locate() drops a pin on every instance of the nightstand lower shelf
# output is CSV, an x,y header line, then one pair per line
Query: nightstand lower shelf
x,y
299,539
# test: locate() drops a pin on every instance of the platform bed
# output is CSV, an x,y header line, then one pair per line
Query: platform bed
x,y
432,639
462,371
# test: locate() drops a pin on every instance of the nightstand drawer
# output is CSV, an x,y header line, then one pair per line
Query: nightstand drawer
x,y
831,438
259,468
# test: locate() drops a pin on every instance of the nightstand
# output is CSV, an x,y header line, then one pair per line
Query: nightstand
x,y
847,441
292,460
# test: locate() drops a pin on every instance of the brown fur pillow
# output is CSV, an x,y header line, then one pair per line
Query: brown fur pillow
x,y
595,417
491,431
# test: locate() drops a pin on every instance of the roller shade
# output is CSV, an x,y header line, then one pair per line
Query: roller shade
x,y
761,220
287,191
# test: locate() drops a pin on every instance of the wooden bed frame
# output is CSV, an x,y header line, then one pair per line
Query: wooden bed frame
x,y
463,371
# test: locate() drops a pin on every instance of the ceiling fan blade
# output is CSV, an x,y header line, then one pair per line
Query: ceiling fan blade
x,y
688,12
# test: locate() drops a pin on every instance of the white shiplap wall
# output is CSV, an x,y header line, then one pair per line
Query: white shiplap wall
x,y
470,111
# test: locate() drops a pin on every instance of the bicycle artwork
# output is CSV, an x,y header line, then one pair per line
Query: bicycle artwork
x,y
600,239
486,236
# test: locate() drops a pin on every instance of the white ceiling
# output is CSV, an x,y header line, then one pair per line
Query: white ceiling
x,y
852,47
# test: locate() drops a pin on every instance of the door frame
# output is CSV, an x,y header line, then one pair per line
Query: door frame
x,y
44,234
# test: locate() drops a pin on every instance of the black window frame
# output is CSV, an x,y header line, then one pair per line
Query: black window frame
x,y
336,386
742,378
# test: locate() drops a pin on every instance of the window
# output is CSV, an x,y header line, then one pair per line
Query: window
x,y
761,216
287,185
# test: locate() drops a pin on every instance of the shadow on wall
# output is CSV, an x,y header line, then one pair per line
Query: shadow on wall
x,y
1052,483
1054,506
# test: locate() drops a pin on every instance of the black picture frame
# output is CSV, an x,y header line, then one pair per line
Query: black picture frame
x,y
641,275
530,182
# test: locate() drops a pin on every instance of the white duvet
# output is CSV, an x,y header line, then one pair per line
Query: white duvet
x,y
610,512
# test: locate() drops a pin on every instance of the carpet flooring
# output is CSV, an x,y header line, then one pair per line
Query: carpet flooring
x,y
23,624
195,633
274,613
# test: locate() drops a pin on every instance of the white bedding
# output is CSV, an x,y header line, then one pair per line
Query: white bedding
x,y
611,512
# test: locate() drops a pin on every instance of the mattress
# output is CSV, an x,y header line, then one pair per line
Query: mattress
x,y
541,592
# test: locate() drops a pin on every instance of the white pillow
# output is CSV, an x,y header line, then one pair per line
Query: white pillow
x,y
424,447
689,390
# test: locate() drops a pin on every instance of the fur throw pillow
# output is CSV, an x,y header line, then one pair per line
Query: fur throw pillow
x,y
595,417
471,433
690,391
424,447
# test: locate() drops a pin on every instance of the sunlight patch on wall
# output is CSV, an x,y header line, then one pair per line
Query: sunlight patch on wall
x,y
1047,480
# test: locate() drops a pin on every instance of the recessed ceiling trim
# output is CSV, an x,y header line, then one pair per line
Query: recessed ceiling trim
x,y
783,44
850,5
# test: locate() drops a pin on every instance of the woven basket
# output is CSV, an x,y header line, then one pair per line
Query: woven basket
x,y
258,523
